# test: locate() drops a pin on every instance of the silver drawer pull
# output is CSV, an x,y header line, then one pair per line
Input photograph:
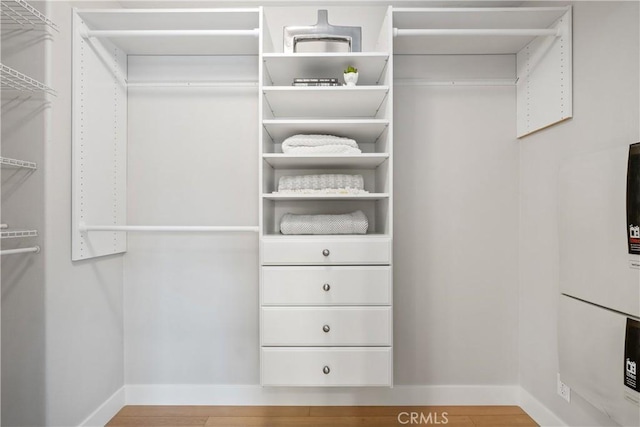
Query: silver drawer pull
x,y
326,252
326,328
326,370
326,287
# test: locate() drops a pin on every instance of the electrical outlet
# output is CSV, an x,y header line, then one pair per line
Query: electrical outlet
x,y
564,390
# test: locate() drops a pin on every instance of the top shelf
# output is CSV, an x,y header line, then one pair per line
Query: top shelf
x,y
461,31
176,31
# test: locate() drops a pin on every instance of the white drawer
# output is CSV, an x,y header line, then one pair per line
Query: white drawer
x,y
326,285
326,367
326,250
324,326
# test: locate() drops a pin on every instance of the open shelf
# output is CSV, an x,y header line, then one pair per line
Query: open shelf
x,y
293,197
15,163
11,79
176,31
362,130
282,68
446,29
22,14
323,102
335,161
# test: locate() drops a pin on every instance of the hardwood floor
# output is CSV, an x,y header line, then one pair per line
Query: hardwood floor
x,y
322,416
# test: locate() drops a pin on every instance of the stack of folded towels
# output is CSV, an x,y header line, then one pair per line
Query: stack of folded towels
x,y
319,144
351,223
321,184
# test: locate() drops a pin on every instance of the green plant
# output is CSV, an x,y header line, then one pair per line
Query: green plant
x,y
350,69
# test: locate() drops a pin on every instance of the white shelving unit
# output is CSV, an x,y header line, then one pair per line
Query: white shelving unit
x,y
539,37
103,41
20,14
307,345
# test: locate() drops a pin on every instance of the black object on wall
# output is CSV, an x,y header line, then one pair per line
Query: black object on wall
x,y
633,199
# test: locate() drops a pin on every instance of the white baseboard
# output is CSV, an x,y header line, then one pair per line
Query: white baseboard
x,y
336,396
193,394
536,410
107,410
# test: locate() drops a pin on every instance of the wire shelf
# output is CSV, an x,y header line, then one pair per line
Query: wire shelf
x,y
22,14
18,234
11,79
6,161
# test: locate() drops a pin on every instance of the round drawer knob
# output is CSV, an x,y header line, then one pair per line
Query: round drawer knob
x,y
326,252
326,328
326,370
326,287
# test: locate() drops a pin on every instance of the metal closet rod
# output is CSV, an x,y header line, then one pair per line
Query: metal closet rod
x,y
477,32
169,228
35,250
153,33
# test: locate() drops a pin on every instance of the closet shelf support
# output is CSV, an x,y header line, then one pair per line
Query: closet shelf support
x,y
35,250
523,32
169,228
154,33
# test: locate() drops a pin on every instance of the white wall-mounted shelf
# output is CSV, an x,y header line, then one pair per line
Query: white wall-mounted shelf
x,y
18,234
11,79
355,161
318,102
282,68
15,163
176,31
471,31
362,130
293,197
22,14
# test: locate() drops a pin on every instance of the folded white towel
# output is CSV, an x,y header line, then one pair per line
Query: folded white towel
x,y
324,149
321,183
319,144
352,223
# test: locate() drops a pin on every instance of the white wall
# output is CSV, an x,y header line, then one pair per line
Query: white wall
x,y
456,222
606,114
84,300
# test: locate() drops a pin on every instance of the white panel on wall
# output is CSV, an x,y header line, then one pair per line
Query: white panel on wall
x,y
99,136
544,85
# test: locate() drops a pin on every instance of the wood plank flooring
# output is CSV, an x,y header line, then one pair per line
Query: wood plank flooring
x,y
322,416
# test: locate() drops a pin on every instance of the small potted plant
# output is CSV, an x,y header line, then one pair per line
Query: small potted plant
x,y
351,76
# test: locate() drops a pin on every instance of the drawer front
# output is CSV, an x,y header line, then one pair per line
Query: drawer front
x,y
326,367
326,285
327,251
297,326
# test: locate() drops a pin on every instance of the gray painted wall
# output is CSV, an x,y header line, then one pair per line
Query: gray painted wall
x,y
23,281
606,114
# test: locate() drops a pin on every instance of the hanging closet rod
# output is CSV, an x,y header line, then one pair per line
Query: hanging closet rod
x,y
476,82
153,33
35,250
477,32
169,228
195,84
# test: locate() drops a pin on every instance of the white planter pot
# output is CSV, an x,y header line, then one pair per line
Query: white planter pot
x,y
351,79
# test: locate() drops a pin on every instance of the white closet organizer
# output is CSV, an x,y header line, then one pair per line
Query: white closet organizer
x,y
102,41
540,37
20,14
326,315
